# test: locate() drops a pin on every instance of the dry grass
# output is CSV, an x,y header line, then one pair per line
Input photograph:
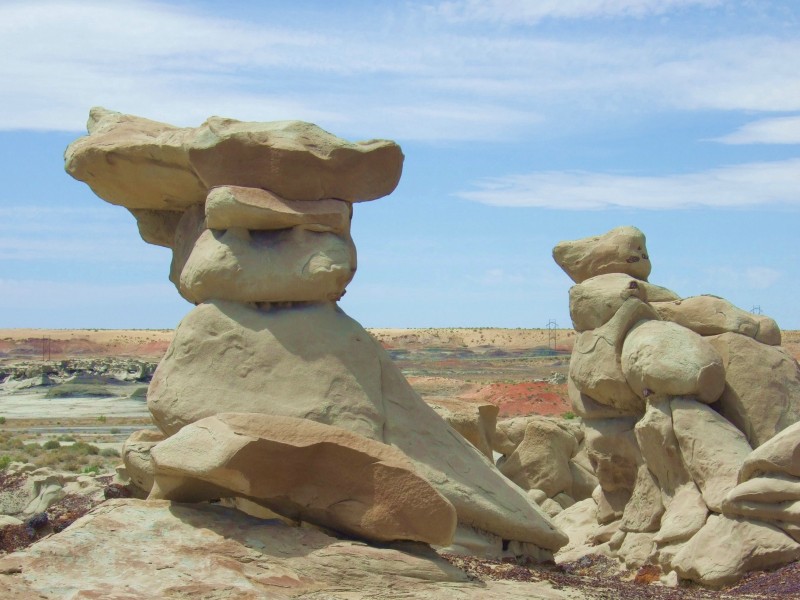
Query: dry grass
x,y
64,453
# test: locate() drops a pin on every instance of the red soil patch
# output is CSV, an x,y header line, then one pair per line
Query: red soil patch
x,y
524,398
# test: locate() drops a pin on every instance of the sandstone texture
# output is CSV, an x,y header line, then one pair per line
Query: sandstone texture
x,y
621,250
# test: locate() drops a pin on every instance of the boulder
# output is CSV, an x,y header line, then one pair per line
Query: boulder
x,y
343,379
768,488
768,331
781,454
305,471
136,457
583,481
684,516
579,522
725,549
621,250
659,446
713,450
231,207
475,421
644,509
595,367
594,301
637,549
659,357
541,460
138,163
708,315
615,460
588,408
762,386
157,226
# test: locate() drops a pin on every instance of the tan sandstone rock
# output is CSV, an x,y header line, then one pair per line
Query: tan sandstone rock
x,y
713,450
475,421
708,315
160,549
779,455
615,458
344,379
136,456
685,515
595,366
725,549
588,408
541,460
644,509
305,471
659,446
594,301
139,163
157,226
762,386
621,250
659,357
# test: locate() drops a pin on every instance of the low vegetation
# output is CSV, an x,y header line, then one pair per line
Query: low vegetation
x,y
61,454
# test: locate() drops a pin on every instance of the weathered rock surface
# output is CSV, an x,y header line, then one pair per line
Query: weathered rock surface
x,y
594,301
139,163
588,408
348,381
644,509
762,386
157,226
541,460
664,358
229,207
725,549
685,515
621,250
708,315
659,446
713,450
305,471
780,455
167,550
136,457
475,421
595,365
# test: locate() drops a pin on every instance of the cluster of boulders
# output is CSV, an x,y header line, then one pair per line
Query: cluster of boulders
x,y
26,375
690,408
269,395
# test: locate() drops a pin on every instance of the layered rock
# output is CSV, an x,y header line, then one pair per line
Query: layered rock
x,y
326,429
675,394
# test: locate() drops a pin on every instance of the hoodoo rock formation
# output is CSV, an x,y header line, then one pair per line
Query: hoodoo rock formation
x,y
269,392
691,412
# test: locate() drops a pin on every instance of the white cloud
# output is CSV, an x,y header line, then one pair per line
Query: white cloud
x,y
398,72
744,185
525,11
781,130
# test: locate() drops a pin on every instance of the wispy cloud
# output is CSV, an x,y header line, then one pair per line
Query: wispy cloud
x,y
525,11
781,130
402,72
742,185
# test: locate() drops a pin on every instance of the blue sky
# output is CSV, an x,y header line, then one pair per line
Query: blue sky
x,y
523,123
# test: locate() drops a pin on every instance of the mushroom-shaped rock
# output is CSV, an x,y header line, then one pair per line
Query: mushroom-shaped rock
x,y
306,471
762,386
594,301
713,450
664,358
139,163
621,250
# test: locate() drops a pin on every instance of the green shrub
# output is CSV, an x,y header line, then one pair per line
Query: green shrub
x,y
66,438
109,452
4,462
92,469
102,419
2,420
115,430
51,445
569,415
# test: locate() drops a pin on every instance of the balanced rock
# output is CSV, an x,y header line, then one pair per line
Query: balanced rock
x,y
780,455
139,163
306,471
659,357
762,386
621,250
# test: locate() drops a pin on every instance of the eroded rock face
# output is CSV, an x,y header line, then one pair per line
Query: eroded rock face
x,y
762,386
621,250
659,357
143,164
306,471
594,301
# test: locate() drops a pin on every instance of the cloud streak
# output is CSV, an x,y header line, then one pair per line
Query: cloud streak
x,y
782,130
736,186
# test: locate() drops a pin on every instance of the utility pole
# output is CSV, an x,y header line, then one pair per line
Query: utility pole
x,y
756,310
552,333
